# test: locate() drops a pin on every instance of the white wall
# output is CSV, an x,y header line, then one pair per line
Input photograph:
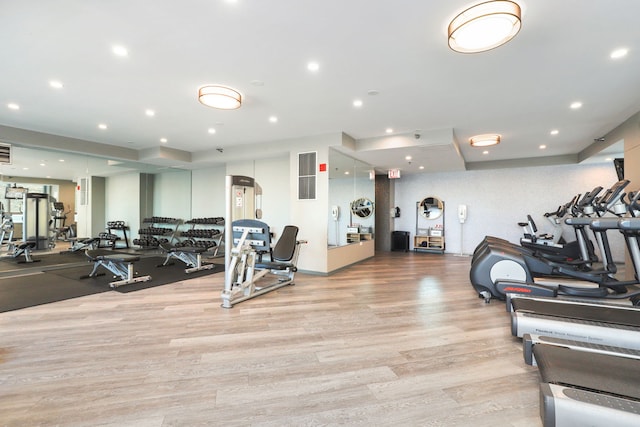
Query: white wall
x,y
122,200
311,215
172,195
498,199
207,192
273,177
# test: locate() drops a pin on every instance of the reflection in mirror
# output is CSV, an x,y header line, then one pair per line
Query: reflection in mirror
x,y
78,175
362,207
349,181
431,207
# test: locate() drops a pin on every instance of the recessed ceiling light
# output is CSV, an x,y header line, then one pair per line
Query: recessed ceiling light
x,y
389,130
150,113
619,53
313,66
120,50
421,167
102,126
346,172
56,84
608,159
163,140
554,132
25,169
13,106
211,131
43,164
485,140
576,105
485,152
61,160
542,147
357,103
273,119
408,158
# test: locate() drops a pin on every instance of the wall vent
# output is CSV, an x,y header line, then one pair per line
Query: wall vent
x,y
307,176
5,154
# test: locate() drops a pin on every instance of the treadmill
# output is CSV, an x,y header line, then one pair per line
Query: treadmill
x,y
592,322
582,388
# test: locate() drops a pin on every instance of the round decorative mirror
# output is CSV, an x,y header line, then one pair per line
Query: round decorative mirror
x,y
362,207
431,207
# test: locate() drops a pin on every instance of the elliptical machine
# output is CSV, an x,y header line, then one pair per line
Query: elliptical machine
x,y
501,269
555,247
582,208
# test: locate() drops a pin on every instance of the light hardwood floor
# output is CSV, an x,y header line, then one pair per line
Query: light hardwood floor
x,y
398,340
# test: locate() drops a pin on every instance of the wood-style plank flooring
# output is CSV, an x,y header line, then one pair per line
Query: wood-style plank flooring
x,y
398,340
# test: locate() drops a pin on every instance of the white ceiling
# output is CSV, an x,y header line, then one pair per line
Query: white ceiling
x,y
521,90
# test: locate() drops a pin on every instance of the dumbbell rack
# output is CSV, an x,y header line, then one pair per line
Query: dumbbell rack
x,y
204,232
113,237
157,230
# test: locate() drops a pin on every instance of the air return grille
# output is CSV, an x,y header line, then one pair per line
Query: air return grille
x,y
307,176
5,154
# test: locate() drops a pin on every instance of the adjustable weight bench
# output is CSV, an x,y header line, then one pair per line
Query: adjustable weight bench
x,y
119,264
25,248
190,255
83,243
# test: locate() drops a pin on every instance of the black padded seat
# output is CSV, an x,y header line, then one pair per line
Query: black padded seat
x,y
283,252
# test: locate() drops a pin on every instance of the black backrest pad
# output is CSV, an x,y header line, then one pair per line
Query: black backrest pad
x,y
286,245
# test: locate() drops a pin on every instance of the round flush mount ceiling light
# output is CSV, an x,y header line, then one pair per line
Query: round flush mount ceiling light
x,y
484,26
485,140
221,97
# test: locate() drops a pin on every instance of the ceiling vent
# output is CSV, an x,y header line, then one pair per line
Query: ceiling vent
x,y
5,154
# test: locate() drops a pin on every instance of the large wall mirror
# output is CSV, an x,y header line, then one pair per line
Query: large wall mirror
x,y
431,207
65,176
351,198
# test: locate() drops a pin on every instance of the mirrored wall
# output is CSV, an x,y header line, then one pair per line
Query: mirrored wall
x,y
351,215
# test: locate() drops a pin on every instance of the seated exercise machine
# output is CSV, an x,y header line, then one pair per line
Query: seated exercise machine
x,y
245,269
190,255
119,264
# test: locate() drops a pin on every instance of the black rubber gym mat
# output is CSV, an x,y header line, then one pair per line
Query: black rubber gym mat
x,y
145,266
66,283
41,288
8,264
